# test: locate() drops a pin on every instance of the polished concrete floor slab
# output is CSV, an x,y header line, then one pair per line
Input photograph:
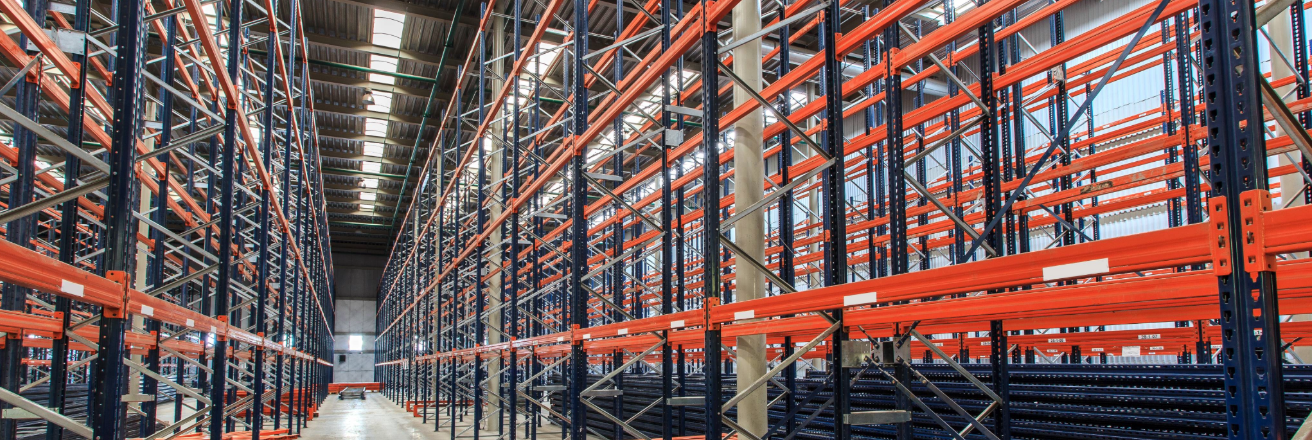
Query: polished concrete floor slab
x,y
379,418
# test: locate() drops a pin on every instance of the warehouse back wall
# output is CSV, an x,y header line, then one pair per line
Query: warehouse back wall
x,y
356,281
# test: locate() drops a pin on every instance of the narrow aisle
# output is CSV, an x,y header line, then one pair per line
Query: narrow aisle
x,y
374,418
379,418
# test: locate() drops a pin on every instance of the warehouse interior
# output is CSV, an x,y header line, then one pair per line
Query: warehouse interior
x,y
522,219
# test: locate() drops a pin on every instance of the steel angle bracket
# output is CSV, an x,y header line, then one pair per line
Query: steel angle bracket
x,y
1220,235
1253,205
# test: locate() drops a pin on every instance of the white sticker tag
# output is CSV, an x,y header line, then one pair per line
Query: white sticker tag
x,y
587,336
1157,347
623,331
676,324
1056,340
1130,350
214,329
1097,350
560,338
860,298
745,314
191,323
1152,336
147,310
1076,270
71,288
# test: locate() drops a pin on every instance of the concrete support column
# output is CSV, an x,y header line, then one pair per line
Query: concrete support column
x,y
749,188
495,173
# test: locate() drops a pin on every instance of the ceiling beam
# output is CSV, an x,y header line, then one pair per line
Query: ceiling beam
x,y
442,15
323,74
367,47
320,106
365,138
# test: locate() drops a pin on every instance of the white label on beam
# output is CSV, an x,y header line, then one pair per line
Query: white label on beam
x,y
1056,340
623,331
1156,348
147,310
1130,350
71,288
1097,350
560,339
191,323
1152,336
860,298
676,324
587,336
745,314
1076,270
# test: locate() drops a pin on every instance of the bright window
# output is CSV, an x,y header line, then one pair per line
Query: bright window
x,y
369,183
371,167
368,196
384,63
355,343
375,127
374,149
387,28
382,102
366,207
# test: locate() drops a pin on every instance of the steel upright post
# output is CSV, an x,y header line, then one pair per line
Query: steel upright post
x,y
155,271
286,274
787,270
992,180
20,231
224,283
899,261
480,292
512,325
1184,70
266,147
1251,352
120,230
834,207
68,244
711,221
578,255
667,234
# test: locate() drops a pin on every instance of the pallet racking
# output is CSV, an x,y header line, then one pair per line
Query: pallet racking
x,y
580,235
165,230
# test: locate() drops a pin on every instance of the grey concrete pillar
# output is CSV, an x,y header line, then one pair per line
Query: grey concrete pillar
x,y
749,232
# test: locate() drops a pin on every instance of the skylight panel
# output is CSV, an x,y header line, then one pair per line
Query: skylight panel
x,y
366,207
375,127
373,149
371,167
387,28
382,101
368,196
369,183
384,63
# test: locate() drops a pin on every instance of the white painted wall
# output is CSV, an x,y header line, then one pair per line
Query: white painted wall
x,y
354,317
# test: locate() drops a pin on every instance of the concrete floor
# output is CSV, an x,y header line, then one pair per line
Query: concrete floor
x,y
379,418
